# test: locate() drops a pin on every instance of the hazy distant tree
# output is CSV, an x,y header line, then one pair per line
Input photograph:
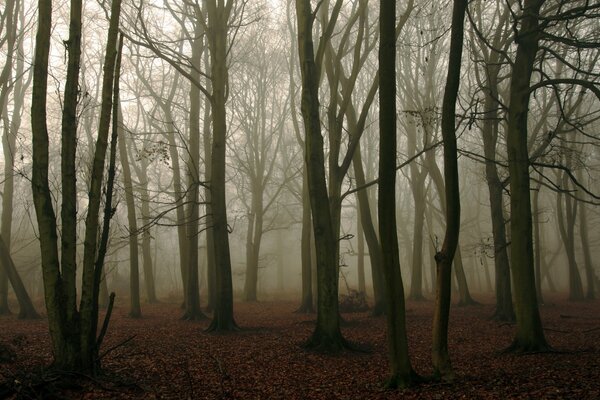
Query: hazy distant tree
x,y
13,83
566,216
132,228
590,292
260,107
492,52
440,358
402,373
72,329
167,104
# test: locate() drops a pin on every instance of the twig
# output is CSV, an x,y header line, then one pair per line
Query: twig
x,y
591,330
116,346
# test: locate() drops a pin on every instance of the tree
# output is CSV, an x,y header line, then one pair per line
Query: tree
x,y
529,335
327,334
218,16
73,330
402,374
441,359
135,310
493,54
13,18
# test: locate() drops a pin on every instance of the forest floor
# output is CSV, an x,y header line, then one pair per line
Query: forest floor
x,y
166,357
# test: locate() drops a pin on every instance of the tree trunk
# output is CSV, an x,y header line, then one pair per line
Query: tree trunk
x,y
441,360
307,304
218,17
504,307
369,230
192,289
587,256
402,374
327,334
253,239
566,227
72,332
146,237
135,310
26,308
537,243
530,334
464,293
360,255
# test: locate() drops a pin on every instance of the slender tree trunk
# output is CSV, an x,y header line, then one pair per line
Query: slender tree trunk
x,y
587,256
360,256
537,244
135,310
464,293
147,238
530,334
192,289
416,283
402,374
504,307
253,240
370,233
307,304
440,357
565,215
327,334
26,308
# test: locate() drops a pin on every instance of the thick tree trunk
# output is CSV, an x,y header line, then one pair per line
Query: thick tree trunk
x,y
402,374
530,334
218,17
440,358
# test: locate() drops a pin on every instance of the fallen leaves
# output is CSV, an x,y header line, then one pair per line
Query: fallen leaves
x,y
170,358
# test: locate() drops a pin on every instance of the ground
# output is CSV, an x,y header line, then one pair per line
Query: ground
x,y
172,359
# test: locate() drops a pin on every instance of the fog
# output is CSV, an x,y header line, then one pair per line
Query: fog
x,y
221,157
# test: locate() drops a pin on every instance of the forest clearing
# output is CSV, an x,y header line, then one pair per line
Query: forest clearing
x,y
169,358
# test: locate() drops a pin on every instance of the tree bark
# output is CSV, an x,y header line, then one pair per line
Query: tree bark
x,y
530,334
218,17
440,358
327,335
401,374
